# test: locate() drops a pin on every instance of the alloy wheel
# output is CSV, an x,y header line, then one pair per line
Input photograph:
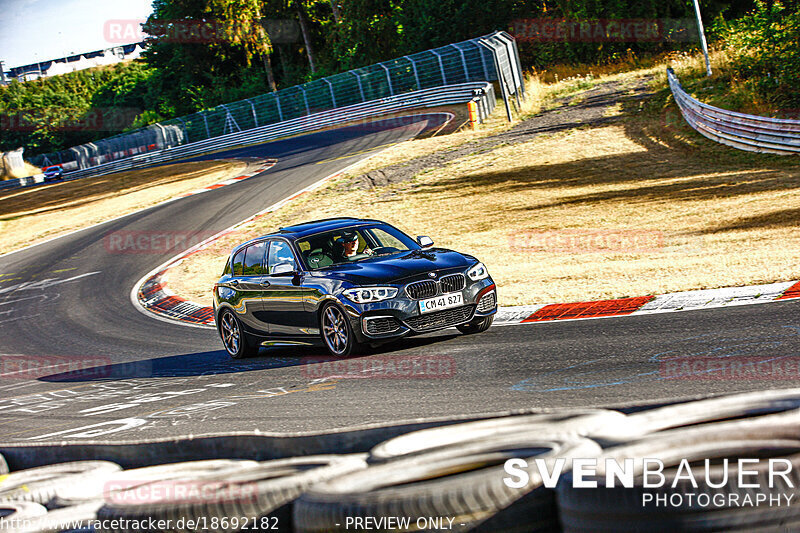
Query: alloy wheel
x,y
231,336
334,330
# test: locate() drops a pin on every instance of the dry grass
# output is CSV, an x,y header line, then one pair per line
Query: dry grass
x,y
704,215
31,214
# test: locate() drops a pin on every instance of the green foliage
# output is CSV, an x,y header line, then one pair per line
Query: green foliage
x,y
764,51
74,108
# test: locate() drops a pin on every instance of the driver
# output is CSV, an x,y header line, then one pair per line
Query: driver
x,y
349,242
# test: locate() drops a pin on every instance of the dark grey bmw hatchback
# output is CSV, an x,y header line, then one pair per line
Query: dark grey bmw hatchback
x,y
345,283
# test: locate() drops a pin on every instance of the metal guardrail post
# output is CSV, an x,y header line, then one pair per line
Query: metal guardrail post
x,y
360,87
441,65
185,133
463,61
278,103
333,96
253,108
205,120
305,99
388,78
416,74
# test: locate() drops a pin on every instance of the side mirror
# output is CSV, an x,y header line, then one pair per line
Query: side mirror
x,y
283,269
425,241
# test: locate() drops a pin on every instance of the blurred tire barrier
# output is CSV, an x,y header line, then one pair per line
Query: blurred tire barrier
x,y
712,456
255,493
115,486
574,422
745,132
462,488
12,511
619,508
3,466
54,520
41,484
699,412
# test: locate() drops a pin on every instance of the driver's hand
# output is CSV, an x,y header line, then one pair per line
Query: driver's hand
x,y
368,251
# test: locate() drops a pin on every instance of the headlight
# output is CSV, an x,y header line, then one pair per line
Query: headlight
x,y
370,294
478,272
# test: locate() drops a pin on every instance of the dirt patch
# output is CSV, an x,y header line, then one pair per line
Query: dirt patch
x,y
588,108
31,214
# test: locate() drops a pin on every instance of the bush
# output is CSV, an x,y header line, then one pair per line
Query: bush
x,y
764,52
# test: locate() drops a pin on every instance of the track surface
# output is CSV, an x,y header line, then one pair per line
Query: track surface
x,y
152,379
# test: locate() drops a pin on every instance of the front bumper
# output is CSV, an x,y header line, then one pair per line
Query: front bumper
x,y
401,316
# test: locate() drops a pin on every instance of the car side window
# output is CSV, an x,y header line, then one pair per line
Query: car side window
x,y
238,262
280,252
254,259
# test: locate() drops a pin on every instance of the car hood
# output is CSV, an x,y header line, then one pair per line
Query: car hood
x,y
399,267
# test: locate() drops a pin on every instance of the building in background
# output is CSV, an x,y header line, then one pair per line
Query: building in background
x,y
62,65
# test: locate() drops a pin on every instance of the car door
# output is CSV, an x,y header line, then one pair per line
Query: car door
x,y
249,282
283,297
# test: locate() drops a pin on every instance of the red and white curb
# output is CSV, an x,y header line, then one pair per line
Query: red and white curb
x,y
249,173
644,305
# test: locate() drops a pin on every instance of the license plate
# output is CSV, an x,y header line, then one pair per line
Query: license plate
x,y
446,301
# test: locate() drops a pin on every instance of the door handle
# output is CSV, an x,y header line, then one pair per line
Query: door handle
x,y
234,282
265,284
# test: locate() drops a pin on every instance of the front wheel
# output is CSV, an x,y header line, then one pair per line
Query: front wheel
x,y
236,342
477,325
336,332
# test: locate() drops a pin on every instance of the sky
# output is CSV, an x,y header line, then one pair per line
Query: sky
x,y
39,30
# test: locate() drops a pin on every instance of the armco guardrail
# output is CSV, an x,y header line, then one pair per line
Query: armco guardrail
x,y
483,93
745,132
488,58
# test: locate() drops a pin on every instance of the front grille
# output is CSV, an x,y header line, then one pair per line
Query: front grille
x,y
421,289
381,325
452,283
487,303
440,319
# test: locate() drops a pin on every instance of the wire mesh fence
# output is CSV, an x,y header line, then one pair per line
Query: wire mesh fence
x,y
487,58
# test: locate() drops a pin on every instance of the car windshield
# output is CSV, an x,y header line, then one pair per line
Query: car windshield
x,y
351,244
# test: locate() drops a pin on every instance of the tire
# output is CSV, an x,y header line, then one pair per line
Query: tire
x,y
19,511
41,484
336,332
236,342
683,415
127,480
611,509
477,325
263,490
465,485
54,521
567,422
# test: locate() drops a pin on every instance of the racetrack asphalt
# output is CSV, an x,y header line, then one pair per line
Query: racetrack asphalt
x,y
68,300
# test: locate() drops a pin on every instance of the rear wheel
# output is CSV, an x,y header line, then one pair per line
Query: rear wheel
x,y
236,342
477,325
336,332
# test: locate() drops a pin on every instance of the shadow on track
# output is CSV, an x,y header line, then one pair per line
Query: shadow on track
x,y
219,362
